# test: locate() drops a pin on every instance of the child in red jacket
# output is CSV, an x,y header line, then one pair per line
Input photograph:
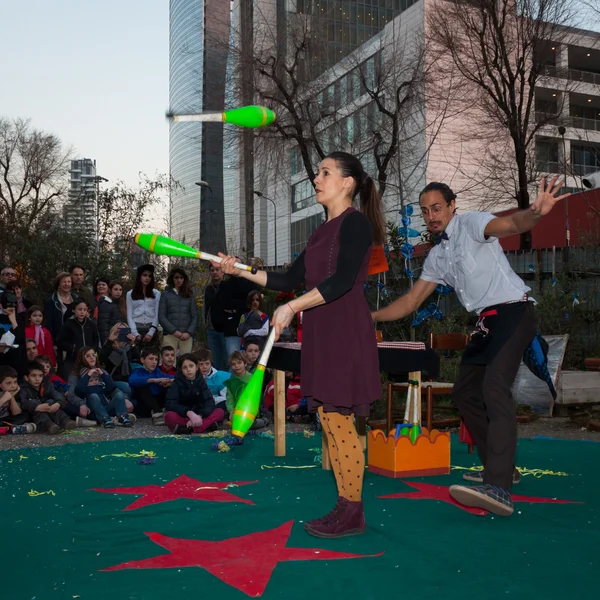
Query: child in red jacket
x,y
35,331
295,404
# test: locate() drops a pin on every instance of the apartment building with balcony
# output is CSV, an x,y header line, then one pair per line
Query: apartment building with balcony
x,y
569,92
568,95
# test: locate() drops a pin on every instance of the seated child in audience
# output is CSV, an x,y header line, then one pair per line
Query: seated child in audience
x,y
190,404
60,385
215,380
295,405
99,391
237,383
11,415
35,331
78,410
252,348
43,405
149,385
167,360
77,332
117,354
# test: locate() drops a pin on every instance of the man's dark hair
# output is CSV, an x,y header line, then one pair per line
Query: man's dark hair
x,y
166,349
73,267
436,186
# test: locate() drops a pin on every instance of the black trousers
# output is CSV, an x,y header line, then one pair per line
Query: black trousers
x,y
149,403
484,400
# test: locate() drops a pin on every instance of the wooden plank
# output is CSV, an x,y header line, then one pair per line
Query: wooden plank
x,y
279,413
579,387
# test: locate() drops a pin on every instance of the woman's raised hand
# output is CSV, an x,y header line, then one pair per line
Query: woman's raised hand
x,y
227,264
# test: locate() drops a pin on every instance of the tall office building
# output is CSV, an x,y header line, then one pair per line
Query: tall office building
x,y
198,46
80,211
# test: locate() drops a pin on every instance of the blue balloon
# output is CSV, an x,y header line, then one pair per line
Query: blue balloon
x,y
408,210
443,290
407,250
407,232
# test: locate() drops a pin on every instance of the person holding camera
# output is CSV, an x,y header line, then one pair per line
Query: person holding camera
x,y
117,354
12,342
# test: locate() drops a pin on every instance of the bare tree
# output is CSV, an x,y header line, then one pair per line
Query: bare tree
x,y
494,45
33,166
311,115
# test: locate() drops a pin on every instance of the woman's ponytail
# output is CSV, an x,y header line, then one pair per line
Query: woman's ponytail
x,y
370,206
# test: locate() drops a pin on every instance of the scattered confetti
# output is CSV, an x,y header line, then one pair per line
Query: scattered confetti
x,y
34,493
77,431
287,467
51,458
212,487
212,434
308,433
524,471
223,447
141,454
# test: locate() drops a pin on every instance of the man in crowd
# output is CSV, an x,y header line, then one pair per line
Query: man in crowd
x,y
78,288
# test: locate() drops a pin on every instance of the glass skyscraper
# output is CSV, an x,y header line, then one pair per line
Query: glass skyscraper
x,y
199,31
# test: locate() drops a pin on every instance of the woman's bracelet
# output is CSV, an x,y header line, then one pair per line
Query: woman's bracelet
x,y
289,305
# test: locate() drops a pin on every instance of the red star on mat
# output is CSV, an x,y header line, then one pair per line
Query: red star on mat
x,y
245,563
181,487
427,491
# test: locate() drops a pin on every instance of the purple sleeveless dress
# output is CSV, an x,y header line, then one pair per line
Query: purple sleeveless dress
x,y
340,363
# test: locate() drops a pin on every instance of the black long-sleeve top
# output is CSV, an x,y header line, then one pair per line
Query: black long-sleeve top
x,y
356,236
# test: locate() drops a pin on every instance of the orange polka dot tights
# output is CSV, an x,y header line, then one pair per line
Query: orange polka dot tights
x,y
346,453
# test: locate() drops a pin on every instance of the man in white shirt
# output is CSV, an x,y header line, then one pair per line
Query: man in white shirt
x,y
468,257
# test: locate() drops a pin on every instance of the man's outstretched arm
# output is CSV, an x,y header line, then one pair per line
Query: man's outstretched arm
x,y
408,303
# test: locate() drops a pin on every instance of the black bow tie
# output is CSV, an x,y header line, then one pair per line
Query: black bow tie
x,y
442,236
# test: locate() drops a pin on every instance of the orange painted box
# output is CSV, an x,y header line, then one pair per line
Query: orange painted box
x,y
393,456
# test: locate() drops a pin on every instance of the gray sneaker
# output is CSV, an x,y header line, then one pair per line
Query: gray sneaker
x,y
24,429
489,497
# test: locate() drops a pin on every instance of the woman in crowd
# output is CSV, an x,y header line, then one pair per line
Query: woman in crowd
x,y
58,309
254,323
142,306
100,292
111,309
178,313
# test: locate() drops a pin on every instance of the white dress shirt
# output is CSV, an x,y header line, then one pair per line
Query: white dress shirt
x,y
475,266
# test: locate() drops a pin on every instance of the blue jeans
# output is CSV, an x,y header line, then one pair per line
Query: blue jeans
x,y
102,409
216,344
232,343
124,387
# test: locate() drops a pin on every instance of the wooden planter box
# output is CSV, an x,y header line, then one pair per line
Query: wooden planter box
x,y
578,387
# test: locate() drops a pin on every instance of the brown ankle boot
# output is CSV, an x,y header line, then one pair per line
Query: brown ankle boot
x,y
349,519
333,515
